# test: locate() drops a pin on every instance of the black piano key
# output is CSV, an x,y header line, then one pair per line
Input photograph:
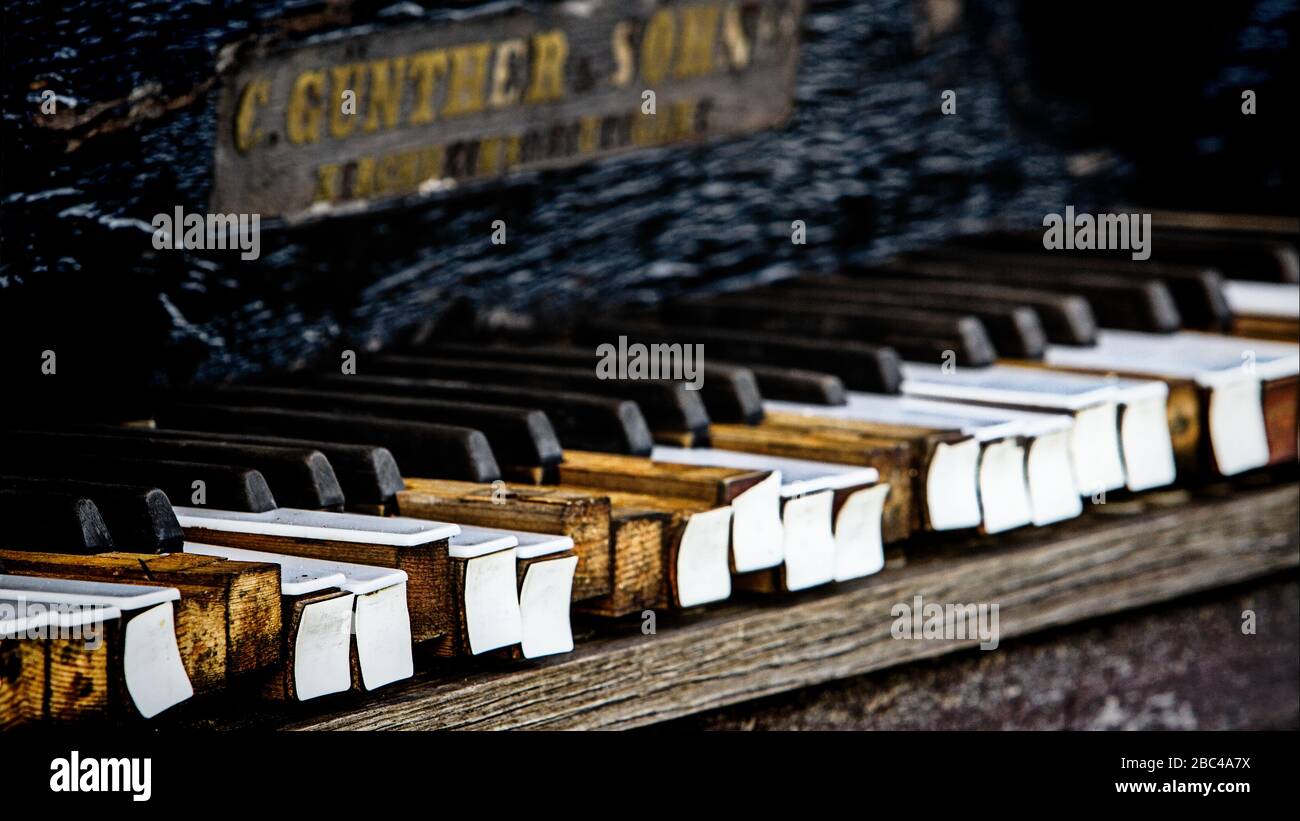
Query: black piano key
x,y
1117,302
421,448
519,435
368,475
298,477
48,522
798,385
667,405
730,393
139,518
584,421
1197,291
916,335
862,367
1066,319
227,487
1014,329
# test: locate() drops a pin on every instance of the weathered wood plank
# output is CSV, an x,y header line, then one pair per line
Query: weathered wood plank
x,y
1103,563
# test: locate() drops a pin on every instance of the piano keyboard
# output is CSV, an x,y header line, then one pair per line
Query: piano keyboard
x,y
320,533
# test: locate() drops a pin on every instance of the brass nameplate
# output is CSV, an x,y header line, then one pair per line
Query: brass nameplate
x,y
351,119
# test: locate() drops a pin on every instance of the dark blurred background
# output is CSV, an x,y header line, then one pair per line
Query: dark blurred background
x,y
1103,103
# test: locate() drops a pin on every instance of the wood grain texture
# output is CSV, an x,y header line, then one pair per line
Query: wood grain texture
x,y
898,460
583,517
1104,562
634,474
1281,398
228,616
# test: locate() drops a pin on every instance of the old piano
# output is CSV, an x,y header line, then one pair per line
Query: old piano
x,y
713,362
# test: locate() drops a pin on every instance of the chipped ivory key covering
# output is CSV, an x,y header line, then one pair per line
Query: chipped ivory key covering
x,y
546,589
378,603
151,661
492,616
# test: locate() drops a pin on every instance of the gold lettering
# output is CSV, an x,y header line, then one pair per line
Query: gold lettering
x,y
465,90
550,50
344,78
588,134
733,37
695,58
504,92
363,178
386,89
256,93
426,68
657,46
514,146
327,183
305,108
429,164
396,173
489,153
624,54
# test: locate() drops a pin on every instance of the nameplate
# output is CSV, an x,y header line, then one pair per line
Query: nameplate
x,y
351,119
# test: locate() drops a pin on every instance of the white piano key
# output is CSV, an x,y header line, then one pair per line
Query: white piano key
x,y
1145,440
151,661
1004,489
23,618
125,597
285,522
481,541
544,607
528,544
382,626
1278,300
322,648
756,542
859,547
492,617
951,486
809,542
298,575
703,567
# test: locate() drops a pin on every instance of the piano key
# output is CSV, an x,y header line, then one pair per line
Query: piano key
x,y
546,563
296,476
147,660
519,436
1197,290
798,385
1013,329
416,546
583,518
62,522
1066,319
729,392
584,421
485,573
944,483
1098,464
229,487
892,457
1215,390
678,554
56,662
375,602
139,518
1116,301
858,499
858,365
421,449
756,544
368,475
228,618
670,409
1264,310
914,334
